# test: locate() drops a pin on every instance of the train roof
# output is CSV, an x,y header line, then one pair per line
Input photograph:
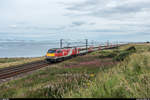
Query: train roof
x,y
53,48
74,47
67,47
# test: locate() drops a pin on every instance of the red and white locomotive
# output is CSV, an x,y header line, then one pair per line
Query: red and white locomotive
x,y
59,54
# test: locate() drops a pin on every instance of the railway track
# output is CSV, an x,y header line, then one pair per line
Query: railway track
x,y
16,70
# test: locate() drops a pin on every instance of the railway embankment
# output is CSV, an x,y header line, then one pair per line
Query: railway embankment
x,y
122,73
8,62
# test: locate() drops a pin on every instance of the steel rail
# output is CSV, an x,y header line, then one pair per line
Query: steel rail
x,y
20,71
18,68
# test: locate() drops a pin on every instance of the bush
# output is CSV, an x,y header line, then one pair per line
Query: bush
x,y
122,55
132,48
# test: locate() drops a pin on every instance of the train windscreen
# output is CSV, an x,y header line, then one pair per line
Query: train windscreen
x,y
51,51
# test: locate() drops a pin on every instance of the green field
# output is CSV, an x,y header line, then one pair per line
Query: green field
x,y
115,73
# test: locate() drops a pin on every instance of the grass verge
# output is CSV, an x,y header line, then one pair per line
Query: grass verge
x,y
129,79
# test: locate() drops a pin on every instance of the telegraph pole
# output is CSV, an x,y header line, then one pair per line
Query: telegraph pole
x,y
86,44
61,43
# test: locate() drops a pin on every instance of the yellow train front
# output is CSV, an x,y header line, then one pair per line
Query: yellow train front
x,y
51,55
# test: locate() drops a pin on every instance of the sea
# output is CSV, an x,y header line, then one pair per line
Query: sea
x,y
25,49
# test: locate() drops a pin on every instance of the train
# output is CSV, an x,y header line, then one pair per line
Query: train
x,y
60,54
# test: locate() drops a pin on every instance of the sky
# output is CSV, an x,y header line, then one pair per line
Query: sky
x,y
101,20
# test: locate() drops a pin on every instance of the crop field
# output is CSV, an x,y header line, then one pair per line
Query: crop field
x,y
121,73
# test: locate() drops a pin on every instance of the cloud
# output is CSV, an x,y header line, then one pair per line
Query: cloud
x,y
92,23
105,30
120,16
13,26
31,27
77,23
68,17
108,8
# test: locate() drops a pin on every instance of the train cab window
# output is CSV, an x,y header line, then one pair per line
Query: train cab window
x,y
51,51
59,51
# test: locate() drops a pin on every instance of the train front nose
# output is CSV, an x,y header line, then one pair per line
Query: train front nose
x,y
50,54
50,57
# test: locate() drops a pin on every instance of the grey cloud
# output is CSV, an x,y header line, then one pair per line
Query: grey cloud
x,y
38,27
86,5
98,8
78,23
143,33
29,18
105,30
92,23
